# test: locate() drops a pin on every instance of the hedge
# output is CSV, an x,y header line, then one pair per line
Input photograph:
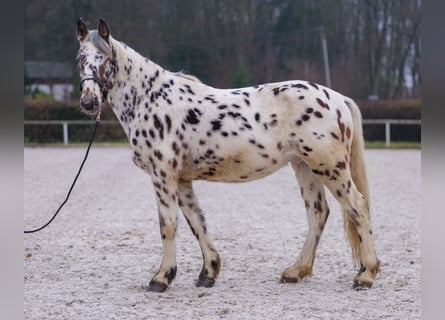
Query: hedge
x,y
70,110
54,110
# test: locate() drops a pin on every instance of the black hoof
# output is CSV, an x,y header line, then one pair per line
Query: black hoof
x,y
205,282
359,286
156,286
288,280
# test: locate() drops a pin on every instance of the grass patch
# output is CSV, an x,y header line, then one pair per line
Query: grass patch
x,y
393,145
124,143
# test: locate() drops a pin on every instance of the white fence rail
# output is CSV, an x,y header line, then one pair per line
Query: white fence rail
x,y
388,122
66,123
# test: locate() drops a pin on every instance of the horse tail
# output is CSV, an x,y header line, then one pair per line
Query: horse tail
x,y
358,173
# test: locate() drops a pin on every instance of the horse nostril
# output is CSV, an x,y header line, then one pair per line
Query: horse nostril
x,y
88,104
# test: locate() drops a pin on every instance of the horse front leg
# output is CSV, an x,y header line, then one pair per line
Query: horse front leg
x,y
166,197
195,218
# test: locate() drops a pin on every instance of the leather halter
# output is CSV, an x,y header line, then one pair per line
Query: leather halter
x,y
103,87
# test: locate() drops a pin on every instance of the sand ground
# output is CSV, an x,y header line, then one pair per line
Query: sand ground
x,y
96,259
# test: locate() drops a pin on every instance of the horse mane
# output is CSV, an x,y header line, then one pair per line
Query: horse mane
x,y
105,48
100,43
187,76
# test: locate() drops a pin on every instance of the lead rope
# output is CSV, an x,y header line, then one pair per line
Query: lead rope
x,y
75,179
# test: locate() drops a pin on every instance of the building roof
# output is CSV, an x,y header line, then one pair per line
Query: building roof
x,y
48,70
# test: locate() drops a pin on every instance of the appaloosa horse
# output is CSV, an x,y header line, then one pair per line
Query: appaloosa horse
x,y
182,130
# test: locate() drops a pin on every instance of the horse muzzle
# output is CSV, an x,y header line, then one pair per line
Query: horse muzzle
x,y
89,101
89,104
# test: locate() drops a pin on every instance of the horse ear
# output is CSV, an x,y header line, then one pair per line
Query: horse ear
x,y
82,30
103,30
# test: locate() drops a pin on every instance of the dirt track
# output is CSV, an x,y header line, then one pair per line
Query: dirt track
x,y
96,259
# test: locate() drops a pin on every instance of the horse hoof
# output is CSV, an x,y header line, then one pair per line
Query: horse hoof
x,y
361,285
288,280
205,282
156,286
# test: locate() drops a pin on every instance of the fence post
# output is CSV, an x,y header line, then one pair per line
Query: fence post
x,y
65,132
387,133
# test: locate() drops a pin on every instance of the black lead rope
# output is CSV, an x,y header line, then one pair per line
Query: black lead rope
x,y
75,179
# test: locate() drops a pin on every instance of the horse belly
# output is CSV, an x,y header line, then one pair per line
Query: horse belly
x,y
238,167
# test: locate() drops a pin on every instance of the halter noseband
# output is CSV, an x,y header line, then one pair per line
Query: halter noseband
x,y
103,87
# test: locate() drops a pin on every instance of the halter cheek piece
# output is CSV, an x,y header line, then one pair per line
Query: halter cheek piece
x,y
103,87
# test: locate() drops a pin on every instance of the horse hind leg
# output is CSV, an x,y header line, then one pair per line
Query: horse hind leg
x,y
357,224
317,211
195,218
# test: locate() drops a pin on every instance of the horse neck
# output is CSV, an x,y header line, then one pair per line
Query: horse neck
x,y
135,78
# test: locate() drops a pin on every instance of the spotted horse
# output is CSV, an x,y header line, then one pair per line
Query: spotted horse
x,y
181,130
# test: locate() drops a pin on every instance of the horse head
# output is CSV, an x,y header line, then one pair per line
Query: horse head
x,y
97,63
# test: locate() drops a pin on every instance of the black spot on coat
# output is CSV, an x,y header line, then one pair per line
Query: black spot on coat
x,y
192,118
216,125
